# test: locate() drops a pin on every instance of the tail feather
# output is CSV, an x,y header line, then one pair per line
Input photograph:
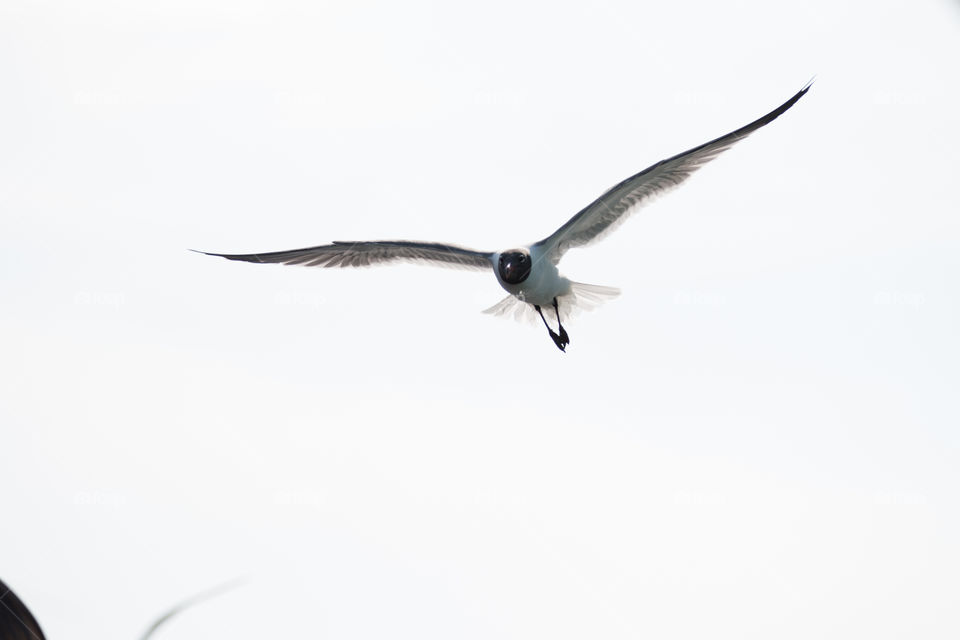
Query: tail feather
x,y
587,297
581,297
513,308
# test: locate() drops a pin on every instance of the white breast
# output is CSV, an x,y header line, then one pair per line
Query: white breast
x,y
542,285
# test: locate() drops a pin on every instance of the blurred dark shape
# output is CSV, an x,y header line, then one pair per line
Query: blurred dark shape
x,y
16,621
186,604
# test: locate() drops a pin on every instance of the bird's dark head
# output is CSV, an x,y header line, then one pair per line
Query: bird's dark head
x,y
514,266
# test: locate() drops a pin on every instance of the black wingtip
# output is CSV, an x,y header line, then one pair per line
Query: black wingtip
x,y
244,257
803,91
215,255
776,113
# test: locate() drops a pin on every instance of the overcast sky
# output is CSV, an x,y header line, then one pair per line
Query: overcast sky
x,y
758,439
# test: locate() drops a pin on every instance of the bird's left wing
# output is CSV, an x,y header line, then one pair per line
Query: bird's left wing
x,y
362,254
603,214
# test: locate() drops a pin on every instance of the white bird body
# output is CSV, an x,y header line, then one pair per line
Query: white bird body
x,y
530,274
542,285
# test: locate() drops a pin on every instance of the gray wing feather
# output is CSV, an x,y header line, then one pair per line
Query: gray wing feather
x,y
610,209
362,254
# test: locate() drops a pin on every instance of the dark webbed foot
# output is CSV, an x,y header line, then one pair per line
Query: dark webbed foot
x,y
561,339
563,332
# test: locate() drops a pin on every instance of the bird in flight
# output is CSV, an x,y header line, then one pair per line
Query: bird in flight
x,y
529,273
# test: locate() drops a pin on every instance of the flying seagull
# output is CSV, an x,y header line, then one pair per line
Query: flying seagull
x,y
529,273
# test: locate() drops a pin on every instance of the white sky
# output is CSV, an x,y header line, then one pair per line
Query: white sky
x,y
757,439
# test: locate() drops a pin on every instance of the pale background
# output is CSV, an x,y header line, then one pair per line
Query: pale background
x,y
758,439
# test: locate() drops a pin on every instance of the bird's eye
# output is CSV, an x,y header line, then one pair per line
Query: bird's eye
x,y
522,258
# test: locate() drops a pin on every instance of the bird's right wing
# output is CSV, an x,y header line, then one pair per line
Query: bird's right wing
x,y
362,254
606,212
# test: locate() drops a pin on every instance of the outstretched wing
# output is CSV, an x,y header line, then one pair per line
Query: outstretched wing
x,y
362,254
612,208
